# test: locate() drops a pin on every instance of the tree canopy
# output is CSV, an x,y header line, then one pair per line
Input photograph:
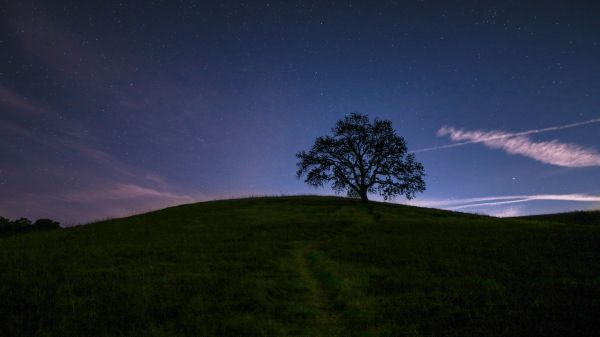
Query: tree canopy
x,y
21,225
362,157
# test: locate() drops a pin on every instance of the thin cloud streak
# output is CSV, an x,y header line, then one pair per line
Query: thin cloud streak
x,y
549,152
502,135
110,186
124,191
496,203
95,203
456,204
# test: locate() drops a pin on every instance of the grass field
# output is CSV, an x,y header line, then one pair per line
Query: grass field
x,y
574,218
302,266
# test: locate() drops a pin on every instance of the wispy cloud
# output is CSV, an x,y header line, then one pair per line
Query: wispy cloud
x,y
464,203
550,152
57,164
96,202
442,132
10,98
495,201
124,191
105,186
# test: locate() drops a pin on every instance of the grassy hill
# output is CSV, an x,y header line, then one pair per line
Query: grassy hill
x,y
575,218
302,266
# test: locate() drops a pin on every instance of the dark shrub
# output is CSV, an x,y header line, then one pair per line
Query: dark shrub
x,y
46,224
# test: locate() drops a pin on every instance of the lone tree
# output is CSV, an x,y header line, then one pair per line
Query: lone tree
x,y
361,158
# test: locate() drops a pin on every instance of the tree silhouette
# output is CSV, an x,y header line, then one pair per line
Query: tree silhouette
x,y
361,158
46,224
22,225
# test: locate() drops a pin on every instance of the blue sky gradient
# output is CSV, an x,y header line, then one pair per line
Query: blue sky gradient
x,y
114,108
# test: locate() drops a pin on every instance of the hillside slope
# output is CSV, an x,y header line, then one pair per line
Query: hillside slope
x,y
572,218
302,266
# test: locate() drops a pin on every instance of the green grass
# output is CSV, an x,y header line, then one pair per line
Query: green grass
x,y
302,266
576,218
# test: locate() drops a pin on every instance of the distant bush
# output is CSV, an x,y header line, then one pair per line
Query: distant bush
x,y
21,225
46,224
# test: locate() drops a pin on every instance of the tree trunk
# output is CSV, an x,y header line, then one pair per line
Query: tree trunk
x,y
363,196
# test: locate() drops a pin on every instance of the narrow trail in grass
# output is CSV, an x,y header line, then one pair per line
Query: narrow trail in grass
x,y
326,321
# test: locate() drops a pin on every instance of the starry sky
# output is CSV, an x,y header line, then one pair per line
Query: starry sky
x,y
112,108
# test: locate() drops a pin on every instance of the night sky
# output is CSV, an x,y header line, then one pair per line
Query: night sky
x,y
114,108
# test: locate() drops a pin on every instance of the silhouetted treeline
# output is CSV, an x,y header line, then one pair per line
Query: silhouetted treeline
x,y
10,227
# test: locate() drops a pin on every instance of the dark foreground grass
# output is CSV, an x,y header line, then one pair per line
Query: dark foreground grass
x,y
302,266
